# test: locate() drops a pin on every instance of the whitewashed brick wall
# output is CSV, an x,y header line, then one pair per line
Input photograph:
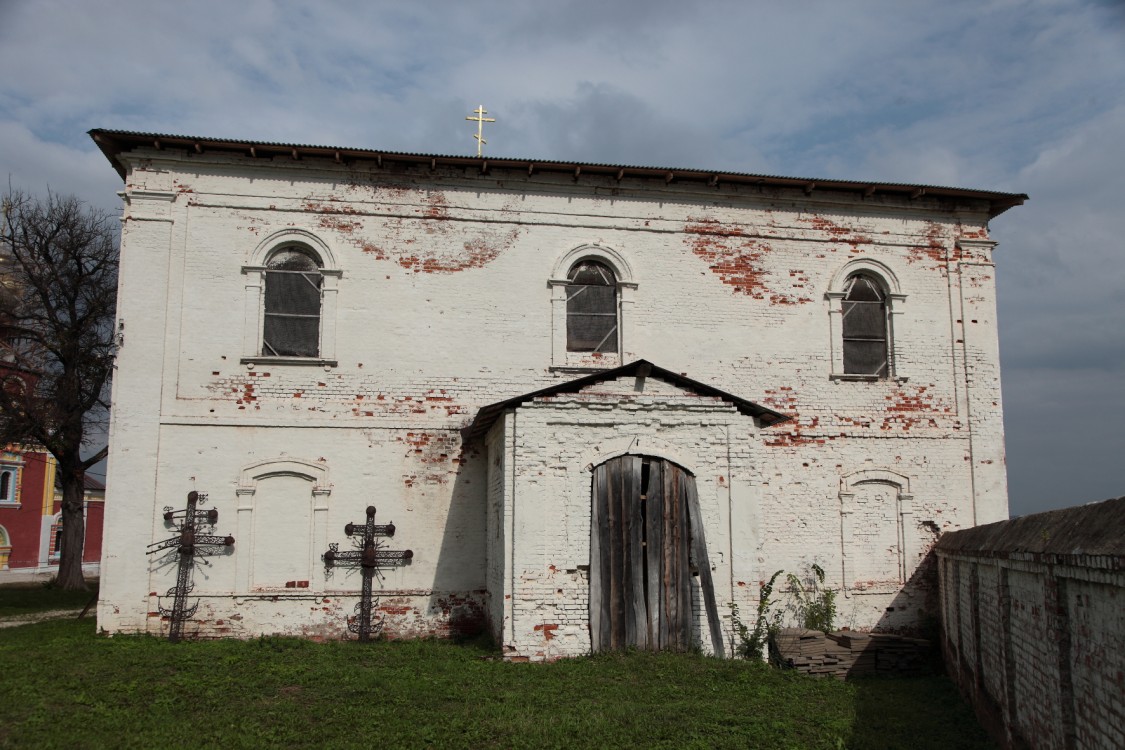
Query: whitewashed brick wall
x,y
442,305
1034,628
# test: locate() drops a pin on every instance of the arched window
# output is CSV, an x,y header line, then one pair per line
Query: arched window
x,y
54,549
9,483
864,325
591,308
291,324
592,293
289,307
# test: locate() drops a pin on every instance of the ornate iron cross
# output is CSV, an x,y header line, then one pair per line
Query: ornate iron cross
x,y
370,556
189,541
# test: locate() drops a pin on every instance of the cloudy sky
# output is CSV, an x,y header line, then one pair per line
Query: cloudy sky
x,y
1012,95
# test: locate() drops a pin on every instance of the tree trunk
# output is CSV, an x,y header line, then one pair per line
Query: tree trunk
x,y
70,576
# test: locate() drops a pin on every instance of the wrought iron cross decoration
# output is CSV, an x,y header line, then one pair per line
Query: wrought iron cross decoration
x,y
480,120
370,557
189,542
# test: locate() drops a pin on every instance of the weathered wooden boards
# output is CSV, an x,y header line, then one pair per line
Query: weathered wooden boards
x,y
850,654
646,538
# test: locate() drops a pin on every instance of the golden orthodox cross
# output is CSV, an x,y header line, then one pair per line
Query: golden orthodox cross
x,y
480,120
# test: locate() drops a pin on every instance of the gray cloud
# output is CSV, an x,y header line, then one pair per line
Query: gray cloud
x,y
1020,95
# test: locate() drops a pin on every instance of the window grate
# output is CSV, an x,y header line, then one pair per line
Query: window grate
x,y
865,329
591,309
291,327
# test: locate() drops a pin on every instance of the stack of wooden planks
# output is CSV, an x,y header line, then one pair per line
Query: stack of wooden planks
x,y
846,653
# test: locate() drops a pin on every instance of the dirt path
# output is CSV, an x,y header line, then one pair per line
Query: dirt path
x,y
32,617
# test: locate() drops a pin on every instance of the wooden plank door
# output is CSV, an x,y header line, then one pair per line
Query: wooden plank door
x,y
646,538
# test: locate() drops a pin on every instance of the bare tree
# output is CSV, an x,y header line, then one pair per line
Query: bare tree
x,y
58,270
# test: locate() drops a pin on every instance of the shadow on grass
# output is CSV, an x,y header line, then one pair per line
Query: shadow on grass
x,y
28,598
913,712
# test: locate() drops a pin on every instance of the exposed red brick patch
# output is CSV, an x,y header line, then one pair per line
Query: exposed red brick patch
x,y
436,456
392,609
972,234
793,432
736,259
437,207
548,631
838,233
913,406
432,243
795,438
339,224
374,250
935,250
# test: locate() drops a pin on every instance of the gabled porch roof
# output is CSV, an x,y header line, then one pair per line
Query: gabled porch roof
x,y
640,368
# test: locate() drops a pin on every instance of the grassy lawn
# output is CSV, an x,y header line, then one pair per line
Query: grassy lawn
x,y
64,686
27,598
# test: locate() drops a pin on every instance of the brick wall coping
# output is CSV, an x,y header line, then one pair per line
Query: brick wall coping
x,y
1091,535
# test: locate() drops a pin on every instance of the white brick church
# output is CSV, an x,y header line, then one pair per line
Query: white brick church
x,y
599,403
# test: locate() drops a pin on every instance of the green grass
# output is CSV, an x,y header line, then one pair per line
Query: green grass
x,y
64,686
27,598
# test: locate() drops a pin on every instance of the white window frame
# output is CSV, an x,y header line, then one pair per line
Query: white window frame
x,y
12,498
254,297
561,359
896,303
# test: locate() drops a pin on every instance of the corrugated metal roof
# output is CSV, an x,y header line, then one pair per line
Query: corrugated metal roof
x,y
114,142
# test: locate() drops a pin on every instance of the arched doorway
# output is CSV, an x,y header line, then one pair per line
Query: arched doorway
x,y
646,544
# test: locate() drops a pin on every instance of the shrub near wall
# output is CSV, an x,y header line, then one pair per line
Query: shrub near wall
x,y
1033,625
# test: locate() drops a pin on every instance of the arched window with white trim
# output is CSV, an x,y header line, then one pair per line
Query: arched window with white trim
x,y
591,308
290,306
865,330
592,290
864,302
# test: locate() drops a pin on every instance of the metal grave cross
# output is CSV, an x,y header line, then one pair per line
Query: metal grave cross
x,y
189,541
369,558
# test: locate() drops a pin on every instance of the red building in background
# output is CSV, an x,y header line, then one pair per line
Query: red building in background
x,y
30,515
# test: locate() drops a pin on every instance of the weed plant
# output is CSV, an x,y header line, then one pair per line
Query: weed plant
x,y
814,605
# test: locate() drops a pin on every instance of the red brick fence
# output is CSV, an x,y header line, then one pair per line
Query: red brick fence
x,y
1033,625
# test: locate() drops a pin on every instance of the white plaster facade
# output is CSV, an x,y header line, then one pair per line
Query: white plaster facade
x,y
443,291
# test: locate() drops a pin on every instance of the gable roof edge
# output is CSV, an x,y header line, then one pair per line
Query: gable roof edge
x,y
487,415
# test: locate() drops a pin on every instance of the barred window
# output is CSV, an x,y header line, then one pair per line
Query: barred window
x,y
591,308
293,283
865,330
